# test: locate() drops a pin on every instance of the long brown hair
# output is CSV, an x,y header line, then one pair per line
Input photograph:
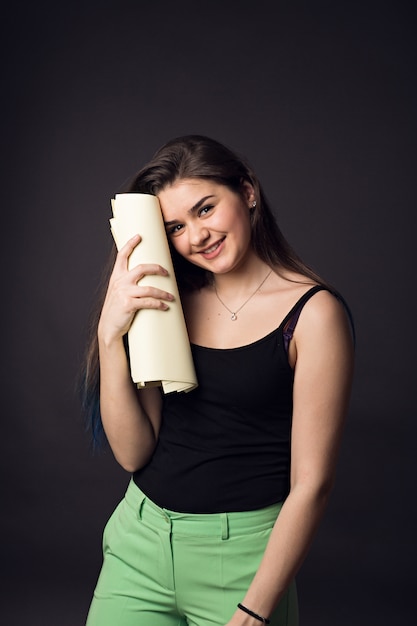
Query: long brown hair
x,y
195,156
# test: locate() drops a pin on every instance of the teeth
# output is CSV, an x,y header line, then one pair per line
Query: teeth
x,y
212,249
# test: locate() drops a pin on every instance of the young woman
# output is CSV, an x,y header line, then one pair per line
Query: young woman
x,y
229,481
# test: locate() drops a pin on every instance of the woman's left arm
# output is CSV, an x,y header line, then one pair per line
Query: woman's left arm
x,y
322,383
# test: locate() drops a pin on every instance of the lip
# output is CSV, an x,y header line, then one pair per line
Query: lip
x,y
215,252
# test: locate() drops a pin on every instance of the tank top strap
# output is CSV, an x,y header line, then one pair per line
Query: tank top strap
x,y
290,320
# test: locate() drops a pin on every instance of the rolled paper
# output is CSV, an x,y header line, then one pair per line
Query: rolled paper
x,y
159,347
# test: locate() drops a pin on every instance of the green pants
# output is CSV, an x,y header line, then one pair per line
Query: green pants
x,y
163,568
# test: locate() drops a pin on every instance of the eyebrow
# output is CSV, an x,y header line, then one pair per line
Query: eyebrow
x,y
192,210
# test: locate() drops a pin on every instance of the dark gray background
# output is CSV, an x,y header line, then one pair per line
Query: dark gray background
x,y
321,97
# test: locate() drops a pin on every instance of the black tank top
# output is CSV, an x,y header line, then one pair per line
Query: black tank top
x,y
225,446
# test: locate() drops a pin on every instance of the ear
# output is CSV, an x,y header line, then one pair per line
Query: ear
x,y
248,192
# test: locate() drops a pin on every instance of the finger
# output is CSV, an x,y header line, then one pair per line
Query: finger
x,y
133,304
151,303
125,252
147,269
151,292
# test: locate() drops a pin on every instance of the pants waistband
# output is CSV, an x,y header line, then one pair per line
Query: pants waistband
x,y
222,525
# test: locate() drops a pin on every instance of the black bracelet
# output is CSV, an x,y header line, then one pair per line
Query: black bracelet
x,y
264,620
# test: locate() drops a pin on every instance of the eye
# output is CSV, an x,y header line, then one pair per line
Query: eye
x,y
175,229
205,209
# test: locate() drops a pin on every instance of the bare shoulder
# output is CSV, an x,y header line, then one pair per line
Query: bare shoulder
x,y
324,307
324,318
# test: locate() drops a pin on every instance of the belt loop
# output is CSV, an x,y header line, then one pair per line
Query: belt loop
x,y
225,525
140,507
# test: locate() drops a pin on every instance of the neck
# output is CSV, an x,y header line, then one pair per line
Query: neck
x,y
241,280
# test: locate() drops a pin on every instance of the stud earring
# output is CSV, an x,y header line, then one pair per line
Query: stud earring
x,y
253,205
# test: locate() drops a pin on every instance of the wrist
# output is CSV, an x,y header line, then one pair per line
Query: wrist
x,y
107,340
240,618
255,617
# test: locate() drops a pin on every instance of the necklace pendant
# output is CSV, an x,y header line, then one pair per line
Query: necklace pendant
x,y
234,313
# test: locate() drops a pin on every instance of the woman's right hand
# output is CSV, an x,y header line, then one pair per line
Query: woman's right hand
x,y
125,296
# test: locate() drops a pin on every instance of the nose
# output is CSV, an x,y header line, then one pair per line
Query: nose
x,y
198,234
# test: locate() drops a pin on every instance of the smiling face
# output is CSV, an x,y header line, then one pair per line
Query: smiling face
x,y
207,223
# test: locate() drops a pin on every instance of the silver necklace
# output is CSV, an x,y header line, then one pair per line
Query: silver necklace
x,y
234,313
